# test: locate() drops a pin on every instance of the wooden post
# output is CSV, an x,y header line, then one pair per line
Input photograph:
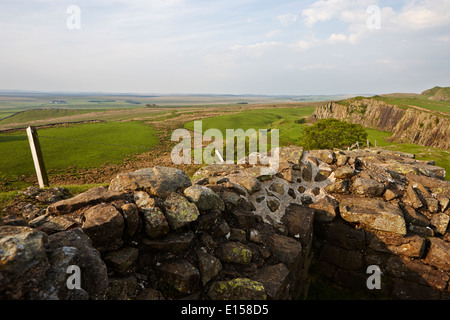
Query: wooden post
x,y
37,157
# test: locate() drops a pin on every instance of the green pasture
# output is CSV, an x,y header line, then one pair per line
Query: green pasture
x,y
80,146
406,101
41,114
418,101
93,144
288,120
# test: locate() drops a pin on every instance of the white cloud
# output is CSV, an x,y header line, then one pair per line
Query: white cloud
x,y
273,33
265,44
419,15
353,13
306,43
203,46
287,19
413,15
325,10
336,38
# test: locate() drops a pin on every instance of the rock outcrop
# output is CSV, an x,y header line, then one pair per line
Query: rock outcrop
x,y
410,125
240,231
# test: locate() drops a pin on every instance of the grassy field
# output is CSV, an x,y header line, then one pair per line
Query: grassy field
x,y
406,101
81,145
287,120
42,114
90,145
418,101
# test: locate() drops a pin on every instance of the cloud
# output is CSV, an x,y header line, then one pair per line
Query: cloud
x,y
352,14
414,15
306,43
420,15
207,46
336,38
273,33
287,19
325,10
255,49
355,16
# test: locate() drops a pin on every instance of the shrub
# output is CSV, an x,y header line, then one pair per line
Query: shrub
x,y
332,133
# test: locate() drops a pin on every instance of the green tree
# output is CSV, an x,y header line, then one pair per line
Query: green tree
x,y
332,133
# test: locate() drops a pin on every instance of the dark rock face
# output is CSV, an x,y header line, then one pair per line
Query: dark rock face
x,y
23,261
34,265
239,232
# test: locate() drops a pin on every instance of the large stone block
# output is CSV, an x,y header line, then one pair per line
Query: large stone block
x,y
158,181
299,223
179,275
343,258
91,197
368,187
105,226
285,249
204,198
439,254
341,234
179,211
411,246
373,213
23,261
237,289
275,280
74,247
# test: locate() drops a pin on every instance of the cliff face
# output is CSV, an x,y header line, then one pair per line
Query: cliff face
x,y
410,125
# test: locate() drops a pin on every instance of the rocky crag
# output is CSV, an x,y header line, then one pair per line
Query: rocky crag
x,y
410,125
238,231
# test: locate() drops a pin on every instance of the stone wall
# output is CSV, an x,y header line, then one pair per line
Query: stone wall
x,y
393,215
238,231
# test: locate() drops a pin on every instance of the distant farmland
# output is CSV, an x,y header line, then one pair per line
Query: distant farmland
x,y
124,130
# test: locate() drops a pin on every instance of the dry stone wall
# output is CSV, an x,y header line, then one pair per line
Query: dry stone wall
x,y
238,231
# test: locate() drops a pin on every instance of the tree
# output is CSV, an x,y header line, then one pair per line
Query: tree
x,y
332,133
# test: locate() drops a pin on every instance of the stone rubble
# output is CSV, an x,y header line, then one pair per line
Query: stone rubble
x,y
239,231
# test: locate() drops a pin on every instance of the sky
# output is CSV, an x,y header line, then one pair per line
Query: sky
x,y
225,46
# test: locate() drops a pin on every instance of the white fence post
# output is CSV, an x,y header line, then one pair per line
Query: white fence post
x,y
37,157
